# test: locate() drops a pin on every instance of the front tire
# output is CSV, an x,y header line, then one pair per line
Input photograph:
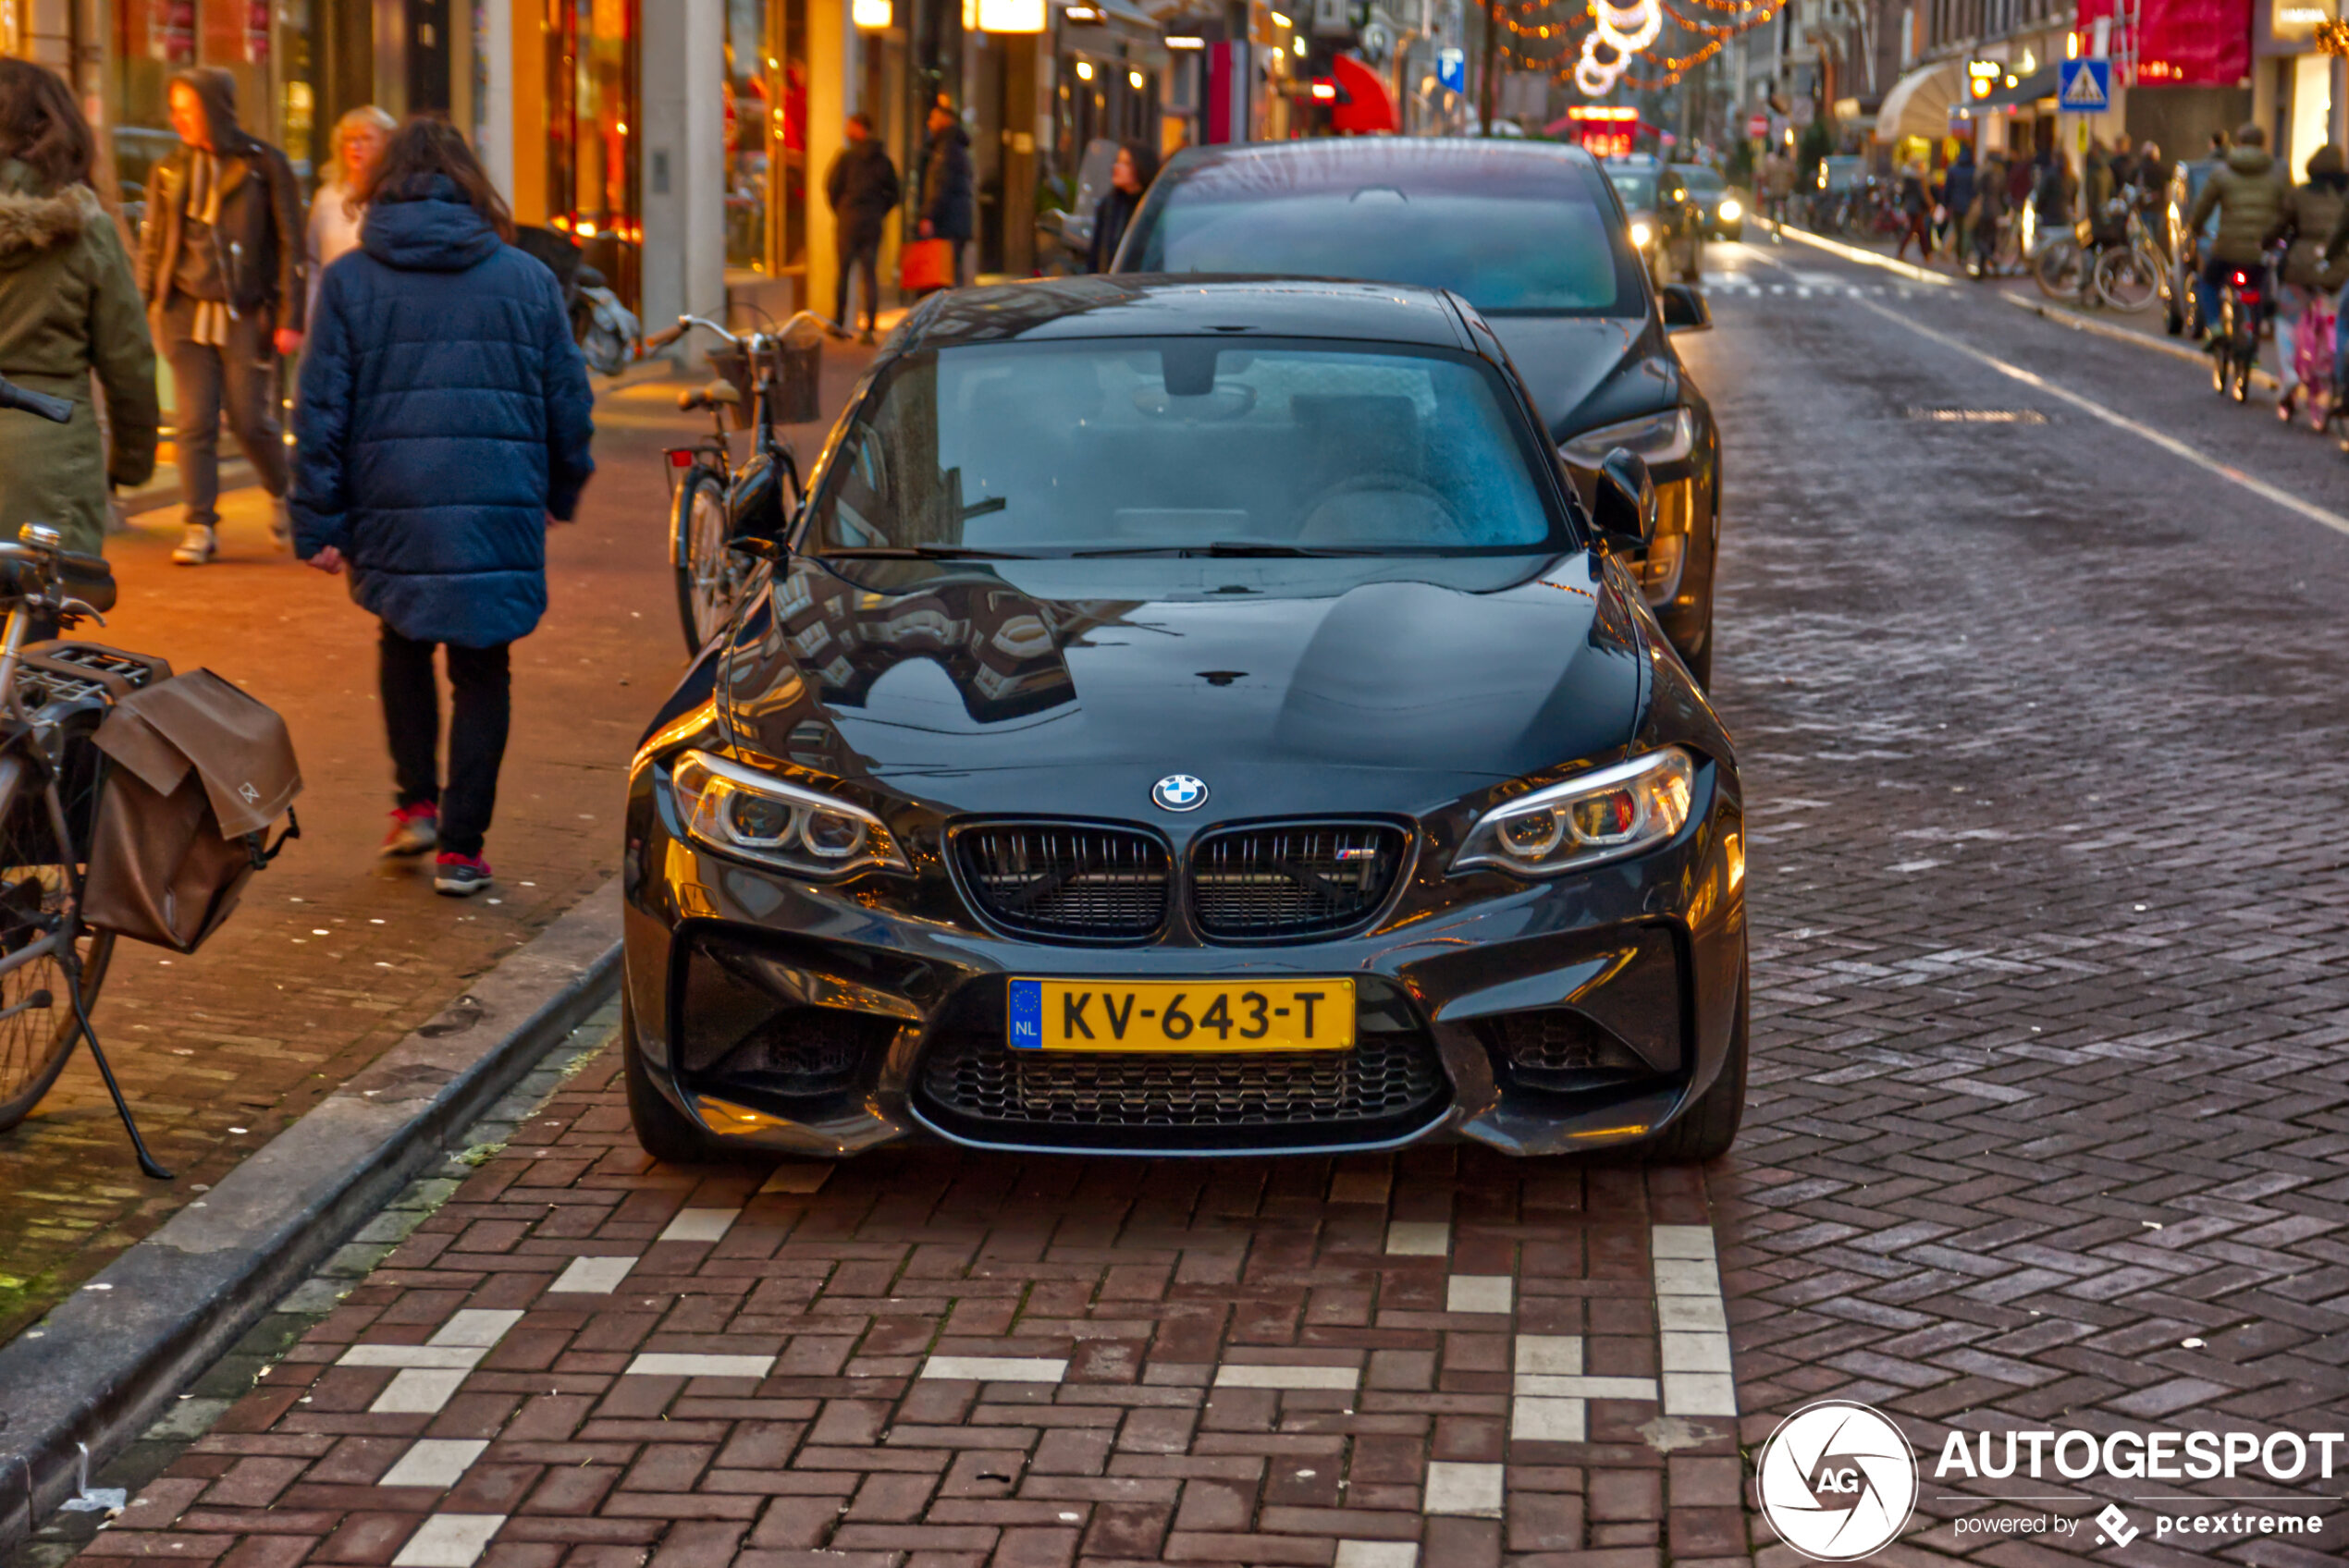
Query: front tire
x,y
1706,1129
663,1130
710,576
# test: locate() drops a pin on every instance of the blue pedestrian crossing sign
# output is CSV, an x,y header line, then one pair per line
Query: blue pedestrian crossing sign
x,y
1451,69
2085,87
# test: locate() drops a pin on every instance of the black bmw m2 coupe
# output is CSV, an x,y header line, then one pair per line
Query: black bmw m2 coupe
x,y
1190,717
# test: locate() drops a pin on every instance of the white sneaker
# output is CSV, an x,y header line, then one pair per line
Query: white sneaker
x,y
197,546
280,522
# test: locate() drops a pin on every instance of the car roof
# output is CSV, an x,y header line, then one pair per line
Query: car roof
x,y
1271,167
1182,304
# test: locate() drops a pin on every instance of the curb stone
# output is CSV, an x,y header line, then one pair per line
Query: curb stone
x,y
107,1361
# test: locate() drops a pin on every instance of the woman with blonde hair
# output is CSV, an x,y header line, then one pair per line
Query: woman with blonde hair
x,y
360,135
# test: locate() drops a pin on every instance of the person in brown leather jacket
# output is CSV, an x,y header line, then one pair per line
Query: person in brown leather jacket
x,y
220,265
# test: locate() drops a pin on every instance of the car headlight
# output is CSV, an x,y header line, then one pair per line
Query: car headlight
x,y
1659,438
1730,211
1640,235
1607,816
732,809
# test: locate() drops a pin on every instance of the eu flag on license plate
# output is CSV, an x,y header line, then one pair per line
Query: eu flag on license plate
x,y
1027,1015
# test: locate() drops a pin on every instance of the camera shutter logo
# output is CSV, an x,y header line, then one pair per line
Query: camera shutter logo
x,y
1838,1481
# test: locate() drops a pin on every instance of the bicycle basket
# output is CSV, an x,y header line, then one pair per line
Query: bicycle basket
x,y
798,374
199,772
732,364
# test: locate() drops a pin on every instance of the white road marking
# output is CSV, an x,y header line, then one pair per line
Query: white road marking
x,y
1478,1292
2089,406
437,1462
657,1364
593,1276
1692,1319
1257,1376
1549,1421
996,1368
1377,1554
1456,1487
478,1327
1552,1354
1533,1385
417,1391
1419,1238
449,1540
462,1358
1358,1186
797,1179
699,1225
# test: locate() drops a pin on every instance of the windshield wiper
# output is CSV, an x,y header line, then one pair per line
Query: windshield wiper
x,y
1221,547
923,553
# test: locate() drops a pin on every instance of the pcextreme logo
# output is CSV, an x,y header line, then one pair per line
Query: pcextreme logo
x,y
1838,1481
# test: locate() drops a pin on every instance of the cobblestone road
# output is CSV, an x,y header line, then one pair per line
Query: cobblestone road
x,y
2043,726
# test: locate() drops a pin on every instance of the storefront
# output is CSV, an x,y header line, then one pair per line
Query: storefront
x,y
2296,86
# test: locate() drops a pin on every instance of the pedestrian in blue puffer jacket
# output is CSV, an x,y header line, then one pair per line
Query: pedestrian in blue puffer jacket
x,y
444,417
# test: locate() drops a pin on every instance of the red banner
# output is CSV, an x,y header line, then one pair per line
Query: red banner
x,y
2184,43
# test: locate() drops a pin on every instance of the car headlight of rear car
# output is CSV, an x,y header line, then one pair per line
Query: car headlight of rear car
x,y
1607,816
732,809
1642,234
1729,210
1659,438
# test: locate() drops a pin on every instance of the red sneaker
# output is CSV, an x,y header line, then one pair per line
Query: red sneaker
x,y
415,830
460,877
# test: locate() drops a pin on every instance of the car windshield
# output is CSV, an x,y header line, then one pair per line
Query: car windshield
x,y
1704,181
1637,187
1533,239
1182,445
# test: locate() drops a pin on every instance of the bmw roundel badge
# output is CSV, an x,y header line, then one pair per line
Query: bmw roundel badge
x,y
1179,791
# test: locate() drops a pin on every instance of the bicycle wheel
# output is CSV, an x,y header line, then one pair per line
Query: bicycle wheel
x,y
37,1024
709,574
2061,270
2127,280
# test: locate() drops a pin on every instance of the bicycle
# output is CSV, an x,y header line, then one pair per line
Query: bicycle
x,y
2131,276
2234,334
50,776
711,576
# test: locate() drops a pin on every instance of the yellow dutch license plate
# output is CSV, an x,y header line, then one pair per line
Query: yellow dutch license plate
x,y
1182,1015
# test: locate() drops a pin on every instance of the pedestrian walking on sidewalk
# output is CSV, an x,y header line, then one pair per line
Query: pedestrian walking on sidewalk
x,y
950,184
68,307
1916,212
1988,215
862,187
220,262
1957,197
1130,178
443,420
361,137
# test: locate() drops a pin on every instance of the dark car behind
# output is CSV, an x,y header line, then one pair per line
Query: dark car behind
x,y
1532,235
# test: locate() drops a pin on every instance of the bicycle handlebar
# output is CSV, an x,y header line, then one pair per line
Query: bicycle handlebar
x,y
753,341
57,411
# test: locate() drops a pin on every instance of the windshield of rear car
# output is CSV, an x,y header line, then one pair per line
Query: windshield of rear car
x,y
1141,445
1637,187
1702,179
1533,240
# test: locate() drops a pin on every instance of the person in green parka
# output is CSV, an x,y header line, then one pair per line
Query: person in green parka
x,y
68,307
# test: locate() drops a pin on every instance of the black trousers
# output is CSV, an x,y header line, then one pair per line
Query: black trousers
x,y
480,711
240,380
859,254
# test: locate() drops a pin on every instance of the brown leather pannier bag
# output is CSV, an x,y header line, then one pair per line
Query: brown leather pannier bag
x,y
198,772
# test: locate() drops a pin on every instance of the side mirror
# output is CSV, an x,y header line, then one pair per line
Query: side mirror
x,y
1624,507
1684,308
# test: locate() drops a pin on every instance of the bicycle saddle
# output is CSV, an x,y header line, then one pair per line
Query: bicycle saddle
x,y
724,392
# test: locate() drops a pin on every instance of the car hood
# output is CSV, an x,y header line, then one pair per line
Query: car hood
x,y
1589,371
1071,687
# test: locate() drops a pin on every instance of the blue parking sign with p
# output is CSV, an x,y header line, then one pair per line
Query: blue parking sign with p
x,y
2084,87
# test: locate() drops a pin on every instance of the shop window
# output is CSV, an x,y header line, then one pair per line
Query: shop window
x,y
766,135
591,134
264,47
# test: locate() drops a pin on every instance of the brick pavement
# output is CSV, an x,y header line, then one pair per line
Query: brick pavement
x,y
925,1359
335,957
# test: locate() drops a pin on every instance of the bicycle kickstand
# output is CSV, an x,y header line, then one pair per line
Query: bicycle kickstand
x,y
71,963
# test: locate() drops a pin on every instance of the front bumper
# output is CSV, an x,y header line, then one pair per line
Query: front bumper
x,y
797,1018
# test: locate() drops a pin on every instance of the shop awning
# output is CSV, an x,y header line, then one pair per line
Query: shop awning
x,y
1920,103
2039,84
1363,108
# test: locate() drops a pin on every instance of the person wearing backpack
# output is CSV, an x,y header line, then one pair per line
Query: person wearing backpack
x,y
444,419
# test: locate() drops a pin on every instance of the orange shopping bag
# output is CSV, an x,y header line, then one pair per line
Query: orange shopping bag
x,y
925,264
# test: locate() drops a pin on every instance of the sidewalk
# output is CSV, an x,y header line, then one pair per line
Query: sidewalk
x,y
335,955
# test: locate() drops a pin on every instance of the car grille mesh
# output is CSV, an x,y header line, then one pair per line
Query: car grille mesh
x,y
1047,879
1182,1099
1263,883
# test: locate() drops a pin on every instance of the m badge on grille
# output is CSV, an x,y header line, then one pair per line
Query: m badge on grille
x,y
1179,791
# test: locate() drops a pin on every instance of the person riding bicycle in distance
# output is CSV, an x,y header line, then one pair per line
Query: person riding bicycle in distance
x,y
2254,205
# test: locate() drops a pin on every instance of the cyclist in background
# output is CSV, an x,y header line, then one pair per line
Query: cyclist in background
x,y
2308,280
2253,205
